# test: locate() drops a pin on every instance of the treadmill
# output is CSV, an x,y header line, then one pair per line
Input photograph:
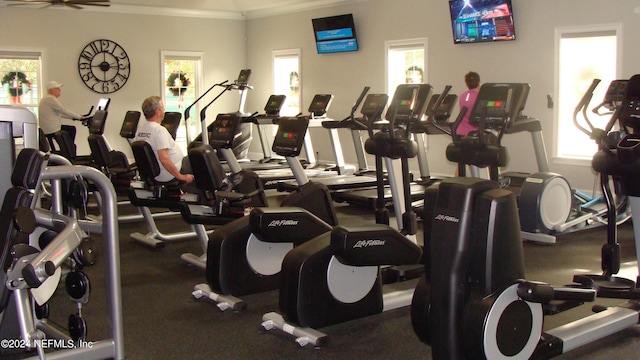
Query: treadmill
x,y
439,108
317,113
262,123
363,177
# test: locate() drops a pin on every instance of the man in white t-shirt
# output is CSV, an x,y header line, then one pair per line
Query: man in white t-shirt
x,y
172,162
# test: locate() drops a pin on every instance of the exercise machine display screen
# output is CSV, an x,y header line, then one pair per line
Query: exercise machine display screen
x,y
373,102
274,104
171,122
290,136
97,122
320,104
630,113
223,131
498,103
409,100
130,124
243,77
103,103
615,94
444,110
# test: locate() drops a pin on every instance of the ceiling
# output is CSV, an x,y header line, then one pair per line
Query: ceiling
x,y
228,9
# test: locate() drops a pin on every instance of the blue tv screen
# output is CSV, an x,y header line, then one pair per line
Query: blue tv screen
x,y
335,34
481,21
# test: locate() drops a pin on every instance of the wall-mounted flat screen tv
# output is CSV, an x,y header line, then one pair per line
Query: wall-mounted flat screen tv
x,y
335,34
481,20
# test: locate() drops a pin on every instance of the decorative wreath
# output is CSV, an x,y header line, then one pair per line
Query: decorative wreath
x,y
178,83
16,81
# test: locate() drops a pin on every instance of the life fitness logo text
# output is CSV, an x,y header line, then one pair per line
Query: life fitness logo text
x,y
442,217
368,243
275,223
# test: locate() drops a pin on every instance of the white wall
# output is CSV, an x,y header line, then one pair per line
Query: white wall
x,y
528,59
61,34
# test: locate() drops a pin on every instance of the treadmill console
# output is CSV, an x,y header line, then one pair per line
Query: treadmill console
x,y
243,77
498,103
409,102
290,136
130,124
320,105
223,130
274,105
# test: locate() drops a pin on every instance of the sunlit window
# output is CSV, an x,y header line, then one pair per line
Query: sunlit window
x,y
20,79
181,87
582,56
287,80
406,63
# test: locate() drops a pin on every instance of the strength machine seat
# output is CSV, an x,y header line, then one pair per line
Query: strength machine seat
x,y
113,163
149,168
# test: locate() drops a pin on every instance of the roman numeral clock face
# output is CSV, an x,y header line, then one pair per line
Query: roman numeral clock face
x,y
104,66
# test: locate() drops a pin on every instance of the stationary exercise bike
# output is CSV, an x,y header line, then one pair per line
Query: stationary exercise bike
x,y
474,301
245,256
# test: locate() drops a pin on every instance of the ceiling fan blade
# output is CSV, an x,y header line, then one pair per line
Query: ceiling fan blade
x,y
104,3
75,4
28,2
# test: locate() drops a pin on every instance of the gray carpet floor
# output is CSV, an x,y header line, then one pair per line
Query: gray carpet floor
x,y
162,320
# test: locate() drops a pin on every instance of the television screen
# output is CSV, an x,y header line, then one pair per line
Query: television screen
x,y
481,20
335,34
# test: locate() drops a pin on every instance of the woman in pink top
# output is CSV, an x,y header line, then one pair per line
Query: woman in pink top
x,y
467,99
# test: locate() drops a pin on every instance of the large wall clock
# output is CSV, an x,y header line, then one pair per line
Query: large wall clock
x,y
104,66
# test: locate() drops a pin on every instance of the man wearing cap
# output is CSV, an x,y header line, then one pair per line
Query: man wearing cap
x,y
51,112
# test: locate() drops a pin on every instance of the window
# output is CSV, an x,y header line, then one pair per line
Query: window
x,y
20,79
582,55
406,62
287,81
182,84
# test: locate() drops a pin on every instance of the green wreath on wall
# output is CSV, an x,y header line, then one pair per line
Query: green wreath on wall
x,y
178,83
17,81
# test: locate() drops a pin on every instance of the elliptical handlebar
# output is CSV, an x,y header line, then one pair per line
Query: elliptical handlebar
x,y
352,117
377,114
392,120
439,102
454,127
591,132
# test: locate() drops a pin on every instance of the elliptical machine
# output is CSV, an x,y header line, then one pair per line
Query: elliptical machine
x,y
336,277
473,301
549,206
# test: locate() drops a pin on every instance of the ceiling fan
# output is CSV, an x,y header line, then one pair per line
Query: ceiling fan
x,y
75,4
